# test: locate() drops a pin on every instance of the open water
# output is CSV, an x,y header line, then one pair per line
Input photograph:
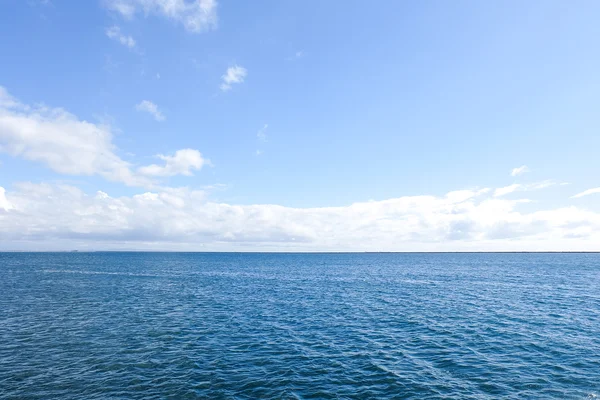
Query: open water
x,y
299,326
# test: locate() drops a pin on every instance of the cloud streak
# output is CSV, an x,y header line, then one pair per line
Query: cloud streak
x,y
519,170
518,187
586,193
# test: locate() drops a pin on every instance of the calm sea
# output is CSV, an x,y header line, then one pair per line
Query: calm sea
x,y
299,326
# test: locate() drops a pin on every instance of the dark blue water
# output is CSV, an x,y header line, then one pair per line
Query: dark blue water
x,y
310,326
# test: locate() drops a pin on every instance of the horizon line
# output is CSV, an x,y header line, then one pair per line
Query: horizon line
x,y
308,252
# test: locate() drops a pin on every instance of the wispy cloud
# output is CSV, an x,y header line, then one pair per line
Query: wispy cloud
x,y
262,133
196,16
235,74
586,193
519,170
114,32
507,189
518,187
262,137
110,65
150,108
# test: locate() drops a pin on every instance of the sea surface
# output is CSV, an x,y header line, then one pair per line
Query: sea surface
x,y
299,326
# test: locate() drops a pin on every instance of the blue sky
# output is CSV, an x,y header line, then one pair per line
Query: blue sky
x,y
272,124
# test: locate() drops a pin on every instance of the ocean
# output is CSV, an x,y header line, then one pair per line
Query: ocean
x,y
299,326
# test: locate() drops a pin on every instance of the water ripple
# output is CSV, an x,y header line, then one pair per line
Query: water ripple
x,y
294,326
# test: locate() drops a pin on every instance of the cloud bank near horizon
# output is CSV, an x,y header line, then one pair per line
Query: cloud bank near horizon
x,y
51,216
59,217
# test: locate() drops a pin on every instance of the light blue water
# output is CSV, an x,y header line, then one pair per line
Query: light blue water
x,y
311,326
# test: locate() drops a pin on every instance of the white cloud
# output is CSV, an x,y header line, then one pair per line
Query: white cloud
x,y
262,133
519,170
235,74
518,187
70,146
507,189
586,193
114,32
4,203
59,140
196,15
150,108
259,152
183,162
46,216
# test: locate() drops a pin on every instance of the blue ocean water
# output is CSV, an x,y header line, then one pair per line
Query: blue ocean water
x,y
299,326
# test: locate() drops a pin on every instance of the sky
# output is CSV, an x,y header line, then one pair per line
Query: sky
x,y
279,125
